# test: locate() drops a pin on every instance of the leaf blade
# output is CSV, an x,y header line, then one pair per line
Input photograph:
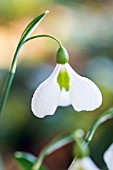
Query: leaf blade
x,y
108,114
26,160
32,26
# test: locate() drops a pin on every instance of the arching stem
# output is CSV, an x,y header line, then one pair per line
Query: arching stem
x,y
44,35
9,80
12,69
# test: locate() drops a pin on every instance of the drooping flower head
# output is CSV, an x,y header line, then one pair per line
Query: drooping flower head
x,y
82,160
84,163
65,87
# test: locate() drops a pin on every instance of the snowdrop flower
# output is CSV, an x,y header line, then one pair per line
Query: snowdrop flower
x,y
84,163
65,87
108,157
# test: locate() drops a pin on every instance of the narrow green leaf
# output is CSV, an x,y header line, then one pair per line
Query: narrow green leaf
x,y
51,148
26,160
32,25
29,29
100,119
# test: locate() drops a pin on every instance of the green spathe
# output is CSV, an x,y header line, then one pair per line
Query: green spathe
x,y
62,56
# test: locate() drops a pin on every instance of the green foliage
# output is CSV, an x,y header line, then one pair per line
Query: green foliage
x,y
79,149
26,33
108,114
32,25
82,145
51,148
26,160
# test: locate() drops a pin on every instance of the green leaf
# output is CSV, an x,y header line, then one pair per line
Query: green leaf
x,y
31,27
26,33
26,160
108,114
62,141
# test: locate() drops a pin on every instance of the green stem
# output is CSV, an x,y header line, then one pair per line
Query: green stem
x,y
12,69
9,80
51,148
73,137
45,35
102,118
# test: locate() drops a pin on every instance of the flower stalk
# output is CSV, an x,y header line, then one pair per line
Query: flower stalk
x,y
51,148
24,38
100,119
44,35
29,29
9,80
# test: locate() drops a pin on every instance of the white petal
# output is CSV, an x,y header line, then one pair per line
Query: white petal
x,y
46,97
85,164
108,157
64,98
84,94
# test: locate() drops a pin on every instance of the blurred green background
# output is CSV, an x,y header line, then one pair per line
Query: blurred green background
x,y
86,30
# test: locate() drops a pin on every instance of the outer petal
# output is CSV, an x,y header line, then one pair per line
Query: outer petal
x,y
46,97
84,94
108,157
84,164
64,98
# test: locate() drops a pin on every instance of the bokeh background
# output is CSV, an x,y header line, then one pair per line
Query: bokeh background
x,y
85,27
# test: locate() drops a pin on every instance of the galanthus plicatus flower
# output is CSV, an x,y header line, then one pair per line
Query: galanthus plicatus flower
x,y
63,88
108,157
84,163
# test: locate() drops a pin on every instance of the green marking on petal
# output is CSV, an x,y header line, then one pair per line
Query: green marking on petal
x,y
63,80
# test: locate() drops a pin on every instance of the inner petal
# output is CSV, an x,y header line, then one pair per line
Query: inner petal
x,y
64,99
63,79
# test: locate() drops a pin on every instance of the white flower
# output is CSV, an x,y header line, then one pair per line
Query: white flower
x,y
108,157
73,89
84,163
